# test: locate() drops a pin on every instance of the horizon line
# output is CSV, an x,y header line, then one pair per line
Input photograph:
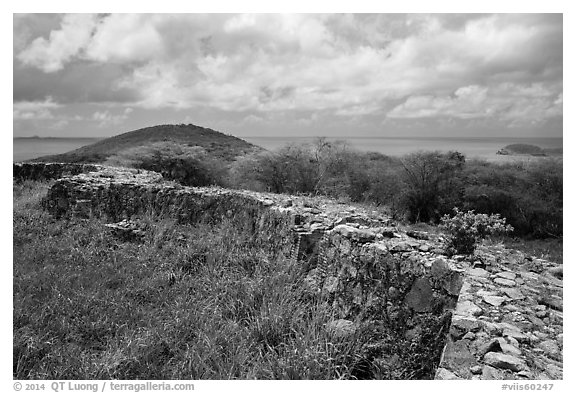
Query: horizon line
x,y
315,136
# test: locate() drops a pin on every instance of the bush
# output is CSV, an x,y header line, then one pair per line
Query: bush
x,y
467,228
288,170
431,184
419,187
245,173
188,165
318,168
528,194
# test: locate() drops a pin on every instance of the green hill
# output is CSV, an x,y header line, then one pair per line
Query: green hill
x,y
217,144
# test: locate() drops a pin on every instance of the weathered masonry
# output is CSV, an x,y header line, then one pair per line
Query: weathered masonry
x,y
498,320
49,171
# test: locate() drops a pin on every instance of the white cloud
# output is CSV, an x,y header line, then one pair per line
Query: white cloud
x,y
106,118
51,54
359,110
460,66
253,119
60,124
34,110
44,115
520,104
125,38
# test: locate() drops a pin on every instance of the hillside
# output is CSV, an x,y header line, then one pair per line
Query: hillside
x,y
217,144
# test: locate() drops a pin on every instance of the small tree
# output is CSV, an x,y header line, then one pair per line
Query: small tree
x,y
318,168
430,184
289,169
467,228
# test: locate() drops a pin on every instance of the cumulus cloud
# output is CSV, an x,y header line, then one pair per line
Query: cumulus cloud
x,y
34,110
505,102
106,118
125,38
53,53
393,66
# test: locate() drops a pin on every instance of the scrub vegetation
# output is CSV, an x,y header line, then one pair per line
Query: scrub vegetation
x,y
419,187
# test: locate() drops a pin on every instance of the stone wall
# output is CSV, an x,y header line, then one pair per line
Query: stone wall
x,y
369,270
48,171
396,276
119,194
354,259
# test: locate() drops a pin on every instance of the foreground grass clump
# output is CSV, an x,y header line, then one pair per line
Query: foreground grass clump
x,y
184,302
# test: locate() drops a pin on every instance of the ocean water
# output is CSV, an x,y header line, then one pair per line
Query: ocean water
x,y
476,147
28,148
484,148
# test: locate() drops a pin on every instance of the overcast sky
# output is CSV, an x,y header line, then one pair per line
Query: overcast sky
x,y
289,75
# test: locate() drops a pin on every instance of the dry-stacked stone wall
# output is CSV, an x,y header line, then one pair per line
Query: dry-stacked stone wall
x,y
48,171
501,319
364,273
119,194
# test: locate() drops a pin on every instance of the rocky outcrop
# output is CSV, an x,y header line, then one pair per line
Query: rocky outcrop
x,y
504,314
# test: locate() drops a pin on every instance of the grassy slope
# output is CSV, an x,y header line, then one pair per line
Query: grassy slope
x,y
219,145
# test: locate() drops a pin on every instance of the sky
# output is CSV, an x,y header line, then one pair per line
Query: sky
x,y
487,75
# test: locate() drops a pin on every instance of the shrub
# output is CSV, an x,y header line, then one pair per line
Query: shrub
x,y
527,193
318,168
419,187
290,169
245,173
189,165
430,184
467,228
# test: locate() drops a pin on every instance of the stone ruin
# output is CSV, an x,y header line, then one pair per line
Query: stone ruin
x,y
505,313
49,171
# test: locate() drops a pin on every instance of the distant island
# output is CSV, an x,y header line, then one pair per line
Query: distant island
x,y
527,150
34,137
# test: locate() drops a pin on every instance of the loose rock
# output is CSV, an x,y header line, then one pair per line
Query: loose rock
x,y
505,282
503,361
